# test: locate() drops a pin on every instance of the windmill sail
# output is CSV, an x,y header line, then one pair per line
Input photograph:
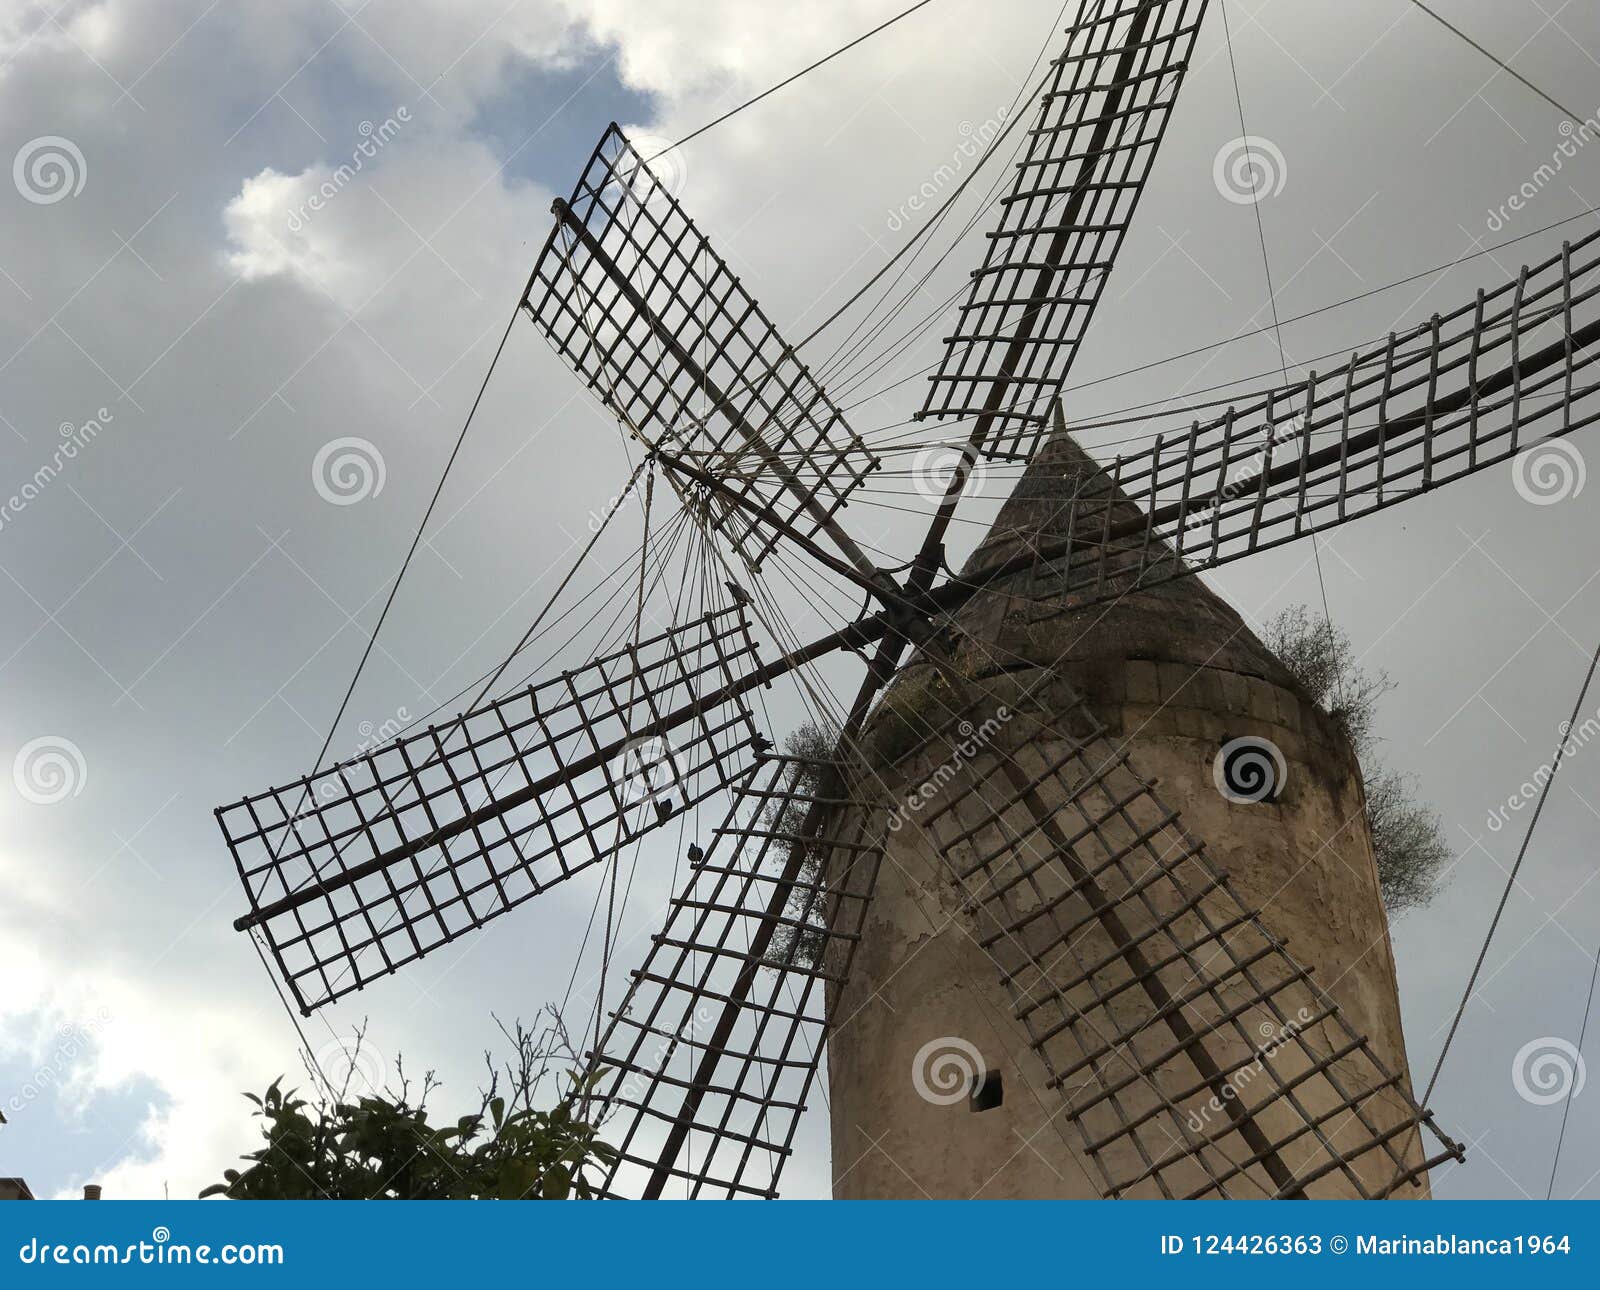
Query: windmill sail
x,y
636,299
708,1062
1100,123
381,859
1195,1056
1452,396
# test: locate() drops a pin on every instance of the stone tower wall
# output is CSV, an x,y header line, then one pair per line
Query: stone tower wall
x,y
1173,675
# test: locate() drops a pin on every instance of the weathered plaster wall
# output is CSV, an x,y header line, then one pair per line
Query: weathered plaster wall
x,y
1174,674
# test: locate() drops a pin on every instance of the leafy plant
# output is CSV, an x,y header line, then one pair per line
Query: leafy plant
x,y
382,1147
1321,658
1408,842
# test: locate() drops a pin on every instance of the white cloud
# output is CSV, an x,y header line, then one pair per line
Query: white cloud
x,y
415,237
265,237
680,50
26,27
89,1026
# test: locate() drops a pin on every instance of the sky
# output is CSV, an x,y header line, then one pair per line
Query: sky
x,y
184,599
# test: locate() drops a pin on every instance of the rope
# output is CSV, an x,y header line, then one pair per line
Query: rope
x,y
1272,301
611,894
305,1044
1277,332
1511,879
1566,1109
1013,116
1249,335
732,112
1500,63
366,654
416,541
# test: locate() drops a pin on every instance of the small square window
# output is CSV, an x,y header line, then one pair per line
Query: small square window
x,y
987,1092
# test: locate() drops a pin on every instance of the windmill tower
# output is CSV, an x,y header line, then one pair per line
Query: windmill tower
x,y
948,1051
1075,819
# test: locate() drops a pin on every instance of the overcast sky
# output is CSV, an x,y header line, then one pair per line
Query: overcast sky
x,y
181,606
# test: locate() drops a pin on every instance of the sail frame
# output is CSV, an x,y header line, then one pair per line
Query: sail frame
x,y
635,298
379,860
1101,121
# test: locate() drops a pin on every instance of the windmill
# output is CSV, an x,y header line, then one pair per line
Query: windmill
x,y
1186,1050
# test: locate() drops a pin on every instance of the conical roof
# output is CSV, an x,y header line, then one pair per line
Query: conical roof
x,y
1027,618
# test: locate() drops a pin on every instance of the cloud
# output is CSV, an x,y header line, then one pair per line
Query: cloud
x,y
317,226
26,27
414,241
264,234
84,1030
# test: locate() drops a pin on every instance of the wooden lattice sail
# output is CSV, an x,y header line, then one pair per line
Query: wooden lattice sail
x,y
1099,125
638,301
1459,393
709,1060
376,861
